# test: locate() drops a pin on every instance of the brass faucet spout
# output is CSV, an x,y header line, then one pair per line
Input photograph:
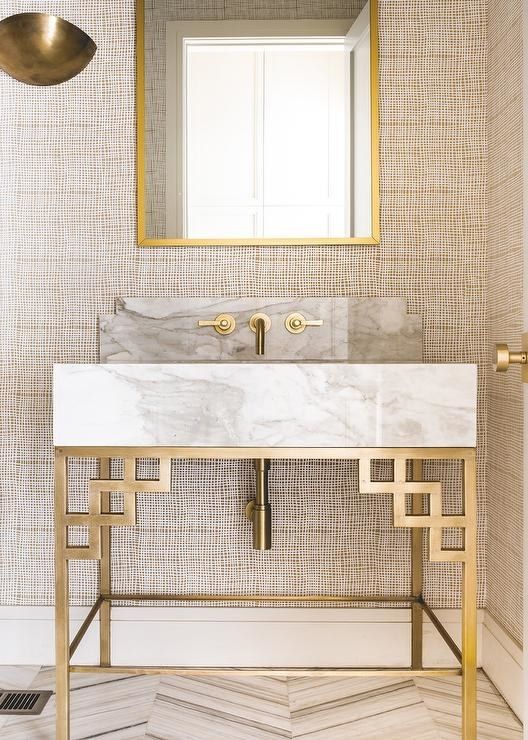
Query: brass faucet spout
x,y
260,323
260,336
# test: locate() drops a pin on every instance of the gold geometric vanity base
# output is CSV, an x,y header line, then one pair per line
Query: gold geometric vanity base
x,y
98,519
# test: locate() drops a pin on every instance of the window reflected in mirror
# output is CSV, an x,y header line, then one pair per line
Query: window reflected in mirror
x,y
257,130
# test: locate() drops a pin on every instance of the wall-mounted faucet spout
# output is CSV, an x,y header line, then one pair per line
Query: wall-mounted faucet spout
x,y
260,323
260,336
258,511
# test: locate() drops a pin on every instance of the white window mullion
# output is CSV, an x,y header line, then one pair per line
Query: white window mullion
x,y
259,122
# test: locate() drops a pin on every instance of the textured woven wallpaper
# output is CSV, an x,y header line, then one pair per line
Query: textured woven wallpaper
x,y
504,542
67,234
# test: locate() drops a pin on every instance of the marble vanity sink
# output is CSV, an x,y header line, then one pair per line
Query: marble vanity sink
x,y
257,404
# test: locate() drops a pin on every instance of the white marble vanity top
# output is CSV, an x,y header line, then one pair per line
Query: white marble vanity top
x,y
265,405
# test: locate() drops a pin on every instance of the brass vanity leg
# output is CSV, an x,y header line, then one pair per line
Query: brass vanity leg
x,y
105,583
62,598
417,573
469,604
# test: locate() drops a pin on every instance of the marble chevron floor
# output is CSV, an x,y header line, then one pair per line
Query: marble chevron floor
x,y
262,708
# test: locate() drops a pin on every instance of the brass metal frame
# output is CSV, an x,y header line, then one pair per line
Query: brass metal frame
x,y
145,241
99,520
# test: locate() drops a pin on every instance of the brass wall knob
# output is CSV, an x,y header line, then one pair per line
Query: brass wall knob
x,y
223,324
503,358
297,323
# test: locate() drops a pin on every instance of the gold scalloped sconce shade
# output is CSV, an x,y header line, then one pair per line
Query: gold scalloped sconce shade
x,y
42,49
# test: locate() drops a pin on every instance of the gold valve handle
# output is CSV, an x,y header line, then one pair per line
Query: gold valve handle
x,y
297,323
223,324
503,358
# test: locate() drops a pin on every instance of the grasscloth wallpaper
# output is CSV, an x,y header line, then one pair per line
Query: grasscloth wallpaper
x,y
68,248
504,543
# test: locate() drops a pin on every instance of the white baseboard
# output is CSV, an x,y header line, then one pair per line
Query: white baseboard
x,y
231,636
261,636
502,660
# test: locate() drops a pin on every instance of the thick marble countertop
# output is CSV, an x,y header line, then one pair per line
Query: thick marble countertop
x,y
265,405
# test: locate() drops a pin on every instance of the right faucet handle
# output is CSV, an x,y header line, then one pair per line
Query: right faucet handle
x,y
297,323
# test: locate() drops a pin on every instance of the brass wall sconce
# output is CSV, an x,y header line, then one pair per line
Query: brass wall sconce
x,y
42,49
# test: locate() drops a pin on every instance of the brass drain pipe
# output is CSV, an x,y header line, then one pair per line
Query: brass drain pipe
x,y
258,511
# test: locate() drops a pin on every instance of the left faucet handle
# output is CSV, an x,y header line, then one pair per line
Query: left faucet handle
x,y
224,323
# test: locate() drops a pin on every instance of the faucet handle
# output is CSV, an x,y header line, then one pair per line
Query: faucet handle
x,y
297,323
223,324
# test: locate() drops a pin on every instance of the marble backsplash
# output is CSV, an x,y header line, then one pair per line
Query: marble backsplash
x,y
354,329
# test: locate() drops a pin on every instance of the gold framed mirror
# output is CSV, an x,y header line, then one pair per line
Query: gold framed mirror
x,y
257,125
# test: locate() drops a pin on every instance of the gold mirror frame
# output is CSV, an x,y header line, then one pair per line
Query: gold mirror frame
x,y
145,241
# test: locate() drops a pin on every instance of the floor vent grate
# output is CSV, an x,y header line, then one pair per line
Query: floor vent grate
x,y
23,702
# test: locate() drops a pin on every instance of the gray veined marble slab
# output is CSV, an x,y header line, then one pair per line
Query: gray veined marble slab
x,y
275,405
381,330
354,329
